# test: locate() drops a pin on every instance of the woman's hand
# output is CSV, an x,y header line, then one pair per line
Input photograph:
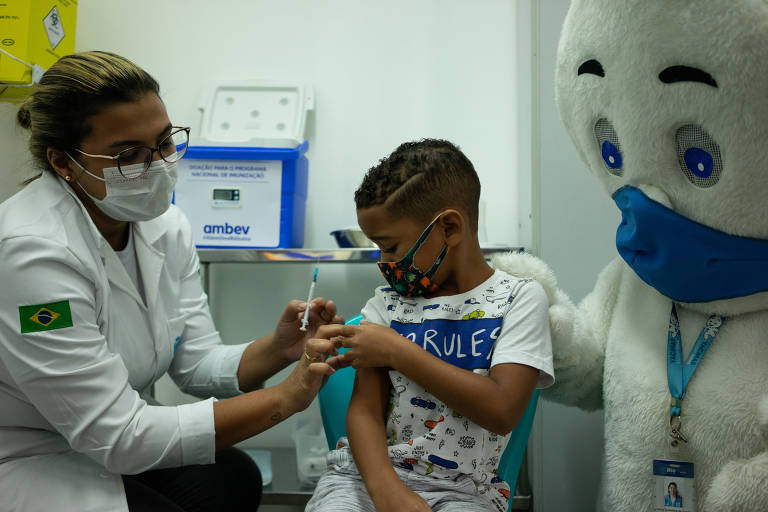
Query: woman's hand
x,y
288,338
268,355
369,345
246,415
316,363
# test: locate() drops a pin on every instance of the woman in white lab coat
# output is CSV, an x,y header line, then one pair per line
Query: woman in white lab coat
x,y
101,296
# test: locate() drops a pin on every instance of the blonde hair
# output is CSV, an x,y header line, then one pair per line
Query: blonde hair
x,y
75,88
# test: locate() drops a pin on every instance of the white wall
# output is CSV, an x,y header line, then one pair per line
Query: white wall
x,y
574,229
383,72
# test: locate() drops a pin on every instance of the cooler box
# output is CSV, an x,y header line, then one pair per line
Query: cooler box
x,y
244,197
243,184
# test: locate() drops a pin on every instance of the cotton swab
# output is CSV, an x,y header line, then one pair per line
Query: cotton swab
x,y
305,320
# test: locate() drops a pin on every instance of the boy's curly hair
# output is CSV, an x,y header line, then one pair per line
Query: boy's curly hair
x,y
420,179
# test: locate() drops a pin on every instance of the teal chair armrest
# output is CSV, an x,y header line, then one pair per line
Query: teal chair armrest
x,y
512,458
334,398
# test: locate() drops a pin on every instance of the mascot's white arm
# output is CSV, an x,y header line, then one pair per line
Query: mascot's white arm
x,y
742,484
579,333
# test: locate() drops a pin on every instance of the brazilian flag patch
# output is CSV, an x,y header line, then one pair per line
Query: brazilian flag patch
x,y
45,317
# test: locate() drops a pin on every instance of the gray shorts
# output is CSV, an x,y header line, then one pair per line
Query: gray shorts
x,y
341,489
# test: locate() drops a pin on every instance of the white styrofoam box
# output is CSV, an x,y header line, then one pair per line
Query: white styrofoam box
x,y
262,113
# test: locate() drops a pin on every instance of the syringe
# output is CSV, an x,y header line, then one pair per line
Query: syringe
x,y
305,320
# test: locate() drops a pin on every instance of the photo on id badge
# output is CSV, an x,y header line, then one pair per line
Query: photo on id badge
x,y
673,486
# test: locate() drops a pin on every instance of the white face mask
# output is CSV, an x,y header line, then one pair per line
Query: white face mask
x,y
135,199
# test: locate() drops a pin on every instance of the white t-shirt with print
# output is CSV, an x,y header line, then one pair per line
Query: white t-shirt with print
x,y
504,320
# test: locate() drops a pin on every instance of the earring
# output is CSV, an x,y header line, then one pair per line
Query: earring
x,y
68,177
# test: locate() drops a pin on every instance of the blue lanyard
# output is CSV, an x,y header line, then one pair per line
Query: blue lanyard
x,y
679,374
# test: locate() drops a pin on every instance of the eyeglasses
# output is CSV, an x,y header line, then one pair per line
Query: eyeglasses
x,y
134,162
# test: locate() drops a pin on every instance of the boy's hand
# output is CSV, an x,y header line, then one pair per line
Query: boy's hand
x,y
370,345
401,499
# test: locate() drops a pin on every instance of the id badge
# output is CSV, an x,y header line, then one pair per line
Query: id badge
x,y
673,486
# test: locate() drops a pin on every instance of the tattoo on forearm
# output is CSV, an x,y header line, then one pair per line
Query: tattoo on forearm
x,y
276,417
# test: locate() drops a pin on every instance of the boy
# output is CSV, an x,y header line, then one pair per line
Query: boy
x,y
450,353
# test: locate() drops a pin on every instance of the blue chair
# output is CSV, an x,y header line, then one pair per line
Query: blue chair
x,y
334,398
335,395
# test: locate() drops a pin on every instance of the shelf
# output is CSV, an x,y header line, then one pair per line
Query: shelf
x,y
356,255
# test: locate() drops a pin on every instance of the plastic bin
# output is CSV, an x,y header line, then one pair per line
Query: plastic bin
x,y
243,184
311,449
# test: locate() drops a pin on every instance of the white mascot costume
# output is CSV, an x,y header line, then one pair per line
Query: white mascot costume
x,y
667,103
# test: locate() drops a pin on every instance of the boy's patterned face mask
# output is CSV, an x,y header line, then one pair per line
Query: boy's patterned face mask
x,y
405,277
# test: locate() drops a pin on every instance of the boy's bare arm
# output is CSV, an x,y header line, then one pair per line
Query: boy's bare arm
x,y
365,428
496,403
366,418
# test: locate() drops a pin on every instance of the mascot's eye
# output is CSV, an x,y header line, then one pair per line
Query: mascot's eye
x,y
698,155
591,67
610,148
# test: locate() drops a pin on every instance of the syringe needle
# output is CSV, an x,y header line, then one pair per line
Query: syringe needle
x,y
305,320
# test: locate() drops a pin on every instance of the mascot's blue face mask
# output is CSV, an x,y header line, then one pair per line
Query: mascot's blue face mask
x,y
685,260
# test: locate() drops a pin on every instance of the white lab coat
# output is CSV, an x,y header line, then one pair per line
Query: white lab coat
x,y
72,418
